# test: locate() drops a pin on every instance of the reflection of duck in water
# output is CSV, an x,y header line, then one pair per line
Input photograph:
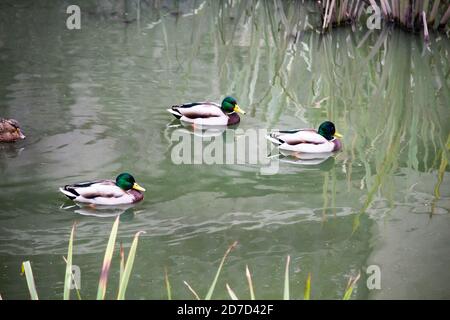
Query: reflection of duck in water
x,y
208,113
9,150
210,131
124,190
307,141
10,130
126,212
323,163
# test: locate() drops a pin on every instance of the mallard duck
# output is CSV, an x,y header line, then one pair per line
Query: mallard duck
x,y
323,140
10,130
124,190
209,113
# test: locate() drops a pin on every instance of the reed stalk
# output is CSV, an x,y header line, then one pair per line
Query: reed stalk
x,y
168,286
128,267
101,292
68,275
286,295
350,286
192,290
445,18
434,11
233,295
26,267
213,285
404,13
425,27
250,283
307,294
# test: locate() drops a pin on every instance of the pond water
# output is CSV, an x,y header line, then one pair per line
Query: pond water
x,y
93,102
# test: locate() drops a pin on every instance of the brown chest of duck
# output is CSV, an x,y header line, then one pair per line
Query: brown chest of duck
x,y
10,130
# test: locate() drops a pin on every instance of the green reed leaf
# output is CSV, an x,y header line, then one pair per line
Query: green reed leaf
x,y
128,267
213,285
26,268
107,261
168,287
250,283
286,279
307,295
231,293
68,275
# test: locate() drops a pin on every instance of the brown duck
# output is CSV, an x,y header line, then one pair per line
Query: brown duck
x,y
10,130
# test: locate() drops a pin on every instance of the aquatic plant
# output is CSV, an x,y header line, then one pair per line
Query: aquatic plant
x,y
126,270
408,14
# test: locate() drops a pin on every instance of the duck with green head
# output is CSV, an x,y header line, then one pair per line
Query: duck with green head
x,y
209,113
124,190
323,140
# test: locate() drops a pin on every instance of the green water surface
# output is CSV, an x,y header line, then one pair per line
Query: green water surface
x,y
93,102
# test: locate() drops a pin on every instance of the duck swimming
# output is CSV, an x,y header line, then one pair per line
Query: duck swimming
x,y
209,113
124,190
323,140
10,130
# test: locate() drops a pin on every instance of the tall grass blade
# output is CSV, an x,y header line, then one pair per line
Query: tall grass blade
x,y
26,267
68,276
107,261
128,267
168,287
213,285
286,279
250,283
77,290
231,293
307,295
351,284
192,290
122,262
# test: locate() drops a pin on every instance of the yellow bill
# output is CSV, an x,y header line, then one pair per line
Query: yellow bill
x,y
138,187
338,135
238,109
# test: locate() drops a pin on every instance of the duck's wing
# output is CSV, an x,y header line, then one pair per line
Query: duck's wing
x,y
92,190
295,136
5,126
197,110
302,141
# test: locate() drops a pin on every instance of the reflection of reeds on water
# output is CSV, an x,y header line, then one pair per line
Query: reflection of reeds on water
x,y
393,113
385,90
375,85
408,14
